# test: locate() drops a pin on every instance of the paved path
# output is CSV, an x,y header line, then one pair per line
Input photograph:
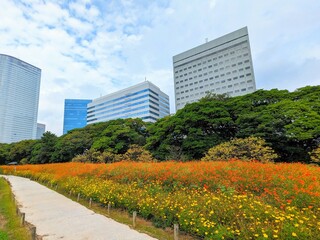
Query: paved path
x,y
58,217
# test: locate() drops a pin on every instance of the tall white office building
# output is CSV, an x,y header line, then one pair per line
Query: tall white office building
x,y
144,100
223,65
19,98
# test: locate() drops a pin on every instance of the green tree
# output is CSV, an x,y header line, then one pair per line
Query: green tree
x,y
290,126
191,131
21,151
43,150
4,153
71,144
120,134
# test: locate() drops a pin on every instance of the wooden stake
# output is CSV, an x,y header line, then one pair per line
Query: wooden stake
x,y
109,206
176,231
33,231
23,215
78,198
134,218
90,202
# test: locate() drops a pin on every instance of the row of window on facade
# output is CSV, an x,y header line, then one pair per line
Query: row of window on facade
x,y
115,106
217,89
108,117
202,94
217,82
195,75
214,65
216,59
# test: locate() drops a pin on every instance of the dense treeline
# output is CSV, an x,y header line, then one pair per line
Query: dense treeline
x,y
288,121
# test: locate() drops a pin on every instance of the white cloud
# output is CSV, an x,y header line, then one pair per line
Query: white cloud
x,y
90,48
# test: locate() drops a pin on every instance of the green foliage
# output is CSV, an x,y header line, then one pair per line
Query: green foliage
x,y
134,153
43,150
21,150
246,149
119,134
72,144
190,133
288,121
4,153
213,96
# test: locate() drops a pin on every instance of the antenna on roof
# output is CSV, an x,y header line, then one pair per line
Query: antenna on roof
x,y
206,40
145,79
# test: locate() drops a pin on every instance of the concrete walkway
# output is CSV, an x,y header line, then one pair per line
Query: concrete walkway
x,y
58,217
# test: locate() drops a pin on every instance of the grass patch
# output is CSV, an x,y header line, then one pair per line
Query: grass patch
x,y
10,227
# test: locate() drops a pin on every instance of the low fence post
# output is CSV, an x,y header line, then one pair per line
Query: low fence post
x,y
33,231
90,202
109,206
17,209
134,218
23,216
78,198
176,231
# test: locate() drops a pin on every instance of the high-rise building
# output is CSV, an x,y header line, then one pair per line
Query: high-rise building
x,y
19,99
75,114
223,65
144,100
41,128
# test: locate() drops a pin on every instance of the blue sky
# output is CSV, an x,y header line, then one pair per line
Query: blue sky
x,y
89,48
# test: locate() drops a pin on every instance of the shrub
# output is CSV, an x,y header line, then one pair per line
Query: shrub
x,y
88,156
137,153
23,161
315,155
80,158
246,149
108,157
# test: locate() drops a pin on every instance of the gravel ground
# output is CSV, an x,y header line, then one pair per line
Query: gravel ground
x,y
58,217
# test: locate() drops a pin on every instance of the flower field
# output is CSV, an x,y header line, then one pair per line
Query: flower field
x,y
211,200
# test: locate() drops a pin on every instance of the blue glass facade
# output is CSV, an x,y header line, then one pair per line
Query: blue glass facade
x,y
144,100
75,114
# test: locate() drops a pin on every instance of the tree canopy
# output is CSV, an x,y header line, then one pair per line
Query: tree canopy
x,y
289,122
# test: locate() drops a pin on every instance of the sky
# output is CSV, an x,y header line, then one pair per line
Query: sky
x,y
90,48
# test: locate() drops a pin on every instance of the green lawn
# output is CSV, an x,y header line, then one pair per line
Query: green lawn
x,y
10,227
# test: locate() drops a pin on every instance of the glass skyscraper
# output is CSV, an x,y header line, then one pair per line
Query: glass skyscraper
x,y
144,100
19,99
75,114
